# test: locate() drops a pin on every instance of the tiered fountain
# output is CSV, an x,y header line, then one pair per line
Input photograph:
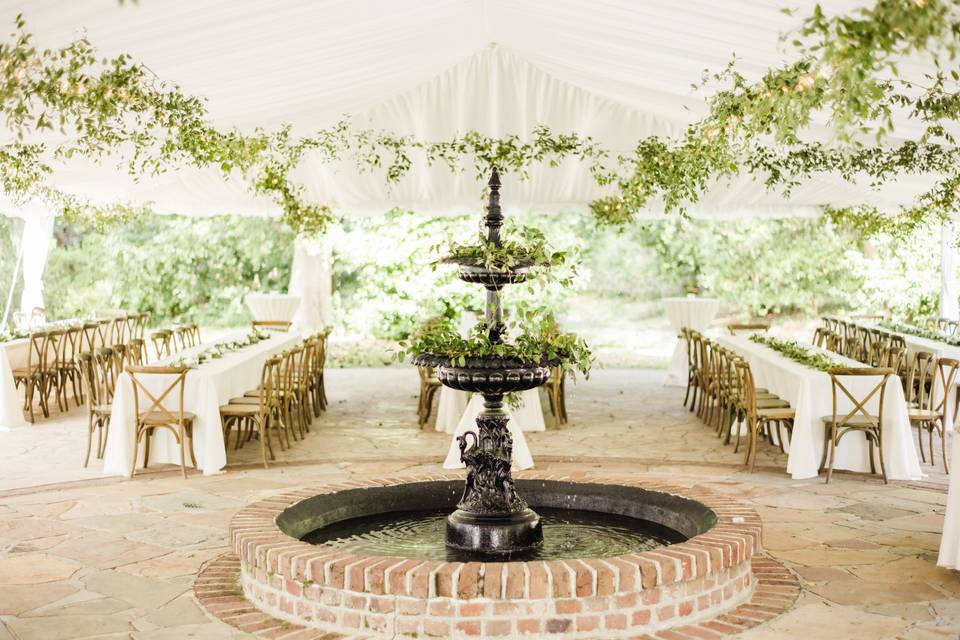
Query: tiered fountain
x,y
611,557
491,517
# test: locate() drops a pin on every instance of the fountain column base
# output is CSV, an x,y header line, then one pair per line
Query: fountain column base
x,y
494,535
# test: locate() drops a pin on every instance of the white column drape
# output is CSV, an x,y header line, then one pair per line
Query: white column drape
x,y
948,272
311,280
36,239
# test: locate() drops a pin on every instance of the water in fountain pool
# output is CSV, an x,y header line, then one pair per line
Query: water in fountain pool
x,y
567,534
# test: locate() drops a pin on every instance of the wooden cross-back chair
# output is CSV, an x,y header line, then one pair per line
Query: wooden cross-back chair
x,y
852,341
137,352
760,412
826,339
858,419
50,367
321,387
67,375
930,414
158,416
89,336
556,388
747,327
429,385
107,365
162,341
32,375
140,325
96,400
260,413
688,338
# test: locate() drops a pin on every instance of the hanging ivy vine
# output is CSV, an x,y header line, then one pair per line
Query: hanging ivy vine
x,y
68,102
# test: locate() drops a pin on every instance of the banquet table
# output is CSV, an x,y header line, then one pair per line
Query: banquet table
x,y
207,387
809,392
693,313
272,306
13,354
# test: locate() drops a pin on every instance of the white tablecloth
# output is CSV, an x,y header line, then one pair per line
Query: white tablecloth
x,y
810,394
452,409
13,354
272,306
950,539
207,387
691,312
522,459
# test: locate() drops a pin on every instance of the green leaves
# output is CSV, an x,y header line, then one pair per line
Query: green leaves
x,y
798,353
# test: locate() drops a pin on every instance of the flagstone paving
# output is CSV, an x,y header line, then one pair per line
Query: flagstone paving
x,y
82,556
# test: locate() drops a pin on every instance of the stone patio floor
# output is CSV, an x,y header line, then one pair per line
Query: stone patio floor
x,y
83,556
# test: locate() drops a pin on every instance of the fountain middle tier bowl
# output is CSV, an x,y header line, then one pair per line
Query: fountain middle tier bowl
x,y
494,376
493,279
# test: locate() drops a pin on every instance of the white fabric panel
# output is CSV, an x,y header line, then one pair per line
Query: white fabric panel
x,y
37,236
693,313
12,354
613,69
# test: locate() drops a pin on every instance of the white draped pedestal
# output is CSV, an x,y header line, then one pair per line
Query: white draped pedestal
x,y
13,354
693,313
207,387
272,306
950,539
810,393
528,417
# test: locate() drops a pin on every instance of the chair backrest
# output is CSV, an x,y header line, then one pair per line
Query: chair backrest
x,y
748,327
306,359
157,406
104,333
137,352
38,350
944,376
119,357
919,379
194,332
272,325
72,345
130,327
182,337
55,341
89,336
161,340
271,382
107,368
141,325
859,401
892,358
746,391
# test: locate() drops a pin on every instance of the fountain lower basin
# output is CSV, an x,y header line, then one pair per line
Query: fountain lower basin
x,y
703,573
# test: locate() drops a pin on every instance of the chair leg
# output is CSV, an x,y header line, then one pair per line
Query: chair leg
x,y
181,436
264,441
136,448
86,459
943,448
105,431
833,450
923,456
28,390
147,436
873,466
823,457
193,457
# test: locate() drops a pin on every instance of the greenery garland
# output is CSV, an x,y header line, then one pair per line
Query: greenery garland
x,y
520,247
843,68
798,353
913,330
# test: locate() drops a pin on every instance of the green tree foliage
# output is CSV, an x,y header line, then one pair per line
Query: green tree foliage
x,y
177,268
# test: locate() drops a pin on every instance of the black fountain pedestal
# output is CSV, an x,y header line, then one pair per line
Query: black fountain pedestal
x,y
491,519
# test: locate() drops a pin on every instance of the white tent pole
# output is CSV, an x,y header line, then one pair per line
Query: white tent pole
x,y
13,284
948,271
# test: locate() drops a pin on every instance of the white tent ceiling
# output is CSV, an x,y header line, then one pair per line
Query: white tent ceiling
x,y
615,69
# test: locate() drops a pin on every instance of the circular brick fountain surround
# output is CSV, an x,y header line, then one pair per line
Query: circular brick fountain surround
x,y
386,597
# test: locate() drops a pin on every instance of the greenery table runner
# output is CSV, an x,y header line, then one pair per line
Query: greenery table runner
x,y
911,330
798,353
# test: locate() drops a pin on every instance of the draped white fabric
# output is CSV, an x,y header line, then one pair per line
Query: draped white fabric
x,y
616,70
37,236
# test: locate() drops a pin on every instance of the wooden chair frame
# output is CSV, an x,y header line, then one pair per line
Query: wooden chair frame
x,y
32,376
180,424
836,427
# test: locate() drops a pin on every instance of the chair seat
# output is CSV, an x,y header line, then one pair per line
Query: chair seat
x,y
777,413
26,372
766,394
856,422
922,415
772,403
255,401
240,409
102,409
156,418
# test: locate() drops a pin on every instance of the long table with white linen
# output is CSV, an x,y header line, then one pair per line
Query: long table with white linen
x,y
810,394
13,354
207,387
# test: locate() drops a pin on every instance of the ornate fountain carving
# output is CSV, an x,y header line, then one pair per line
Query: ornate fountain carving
x,y
491,517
